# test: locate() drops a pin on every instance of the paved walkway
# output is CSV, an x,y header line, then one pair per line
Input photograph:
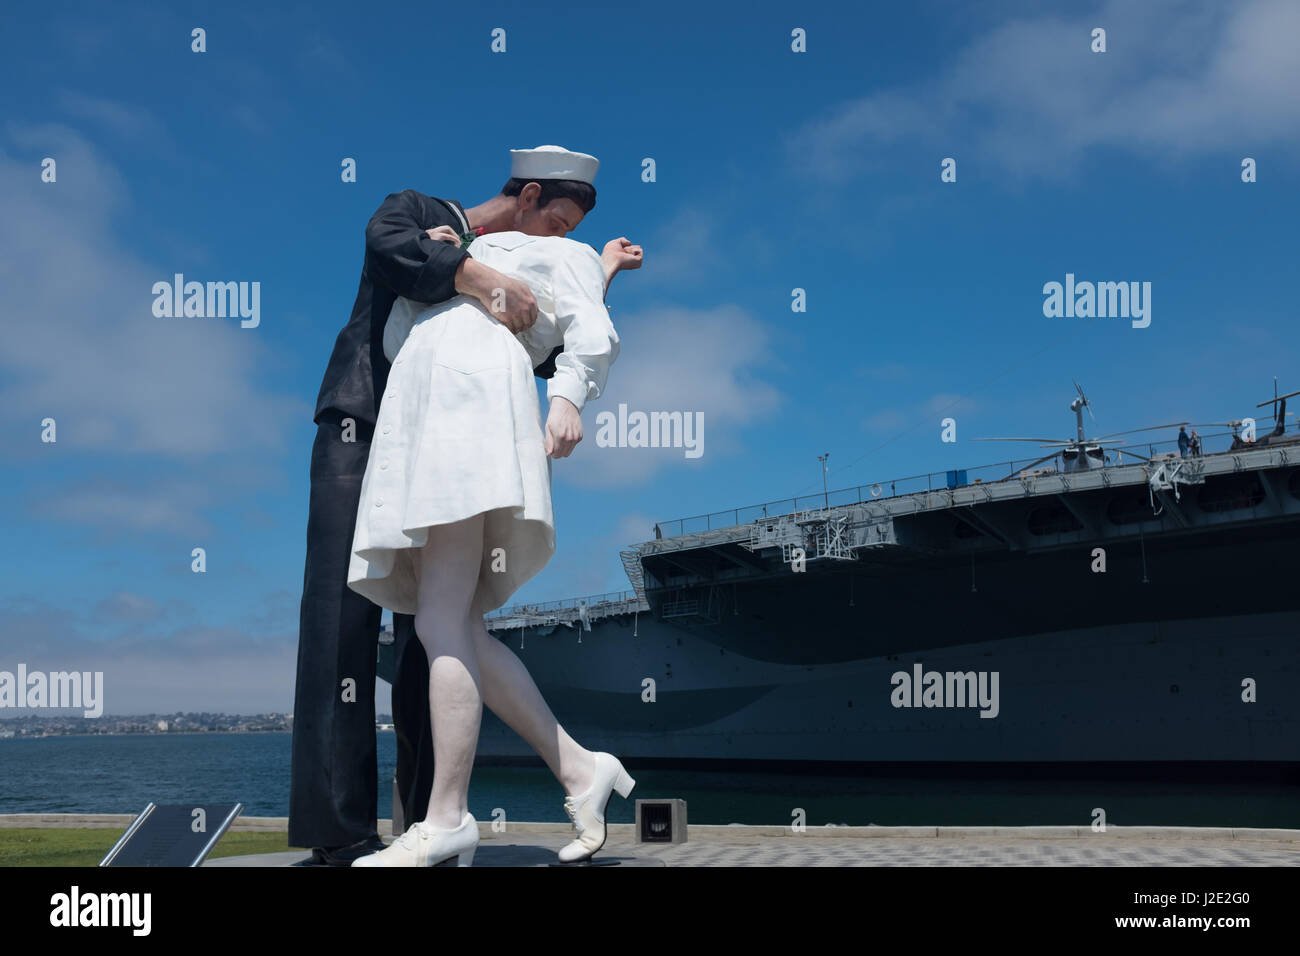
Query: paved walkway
x,y
535,844
886,851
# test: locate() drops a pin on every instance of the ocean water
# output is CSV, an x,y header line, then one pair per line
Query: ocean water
x,y
121,774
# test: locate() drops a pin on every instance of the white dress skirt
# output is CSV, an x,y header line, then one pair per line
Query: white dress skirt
x,y
459,433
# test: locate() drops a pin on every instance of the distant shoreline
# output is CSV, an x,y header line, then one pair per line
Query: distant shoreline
x,y
152,733
386,729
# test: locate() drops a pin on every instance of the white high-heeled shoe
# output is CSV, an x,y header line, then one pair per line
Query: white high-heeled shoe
x,y
425,845
587,810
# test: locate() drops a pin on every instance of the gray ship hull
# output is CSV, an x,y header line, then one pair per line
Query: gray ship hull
x,y
1158,691
1183,648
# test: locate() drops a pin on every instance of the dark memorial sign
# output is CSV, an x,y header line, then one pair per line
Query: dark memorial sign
x,y
173,835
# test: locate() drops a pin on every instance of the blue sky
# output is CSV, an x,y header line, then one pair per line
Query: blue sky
x,y
776,170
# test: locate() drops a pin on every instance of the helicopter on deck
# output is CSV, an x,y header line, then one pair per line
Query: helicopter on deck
x,y
1277,436
1082,453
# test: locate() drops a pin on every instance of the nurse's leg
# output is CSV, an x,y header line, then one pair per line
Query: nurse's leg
x,y
510,692
449,567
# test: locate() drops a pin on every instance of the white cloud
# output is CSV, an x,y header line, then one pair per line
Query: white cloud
x,y
888,420
1029,96
633,529
949,404
587,563
925,414
121,119
126,606
112,505
716,362
684,249
149,669
79,341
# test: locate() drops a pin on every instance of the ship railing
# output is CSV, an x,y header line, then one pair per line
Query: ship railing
x,y
553,612
929,482
726,525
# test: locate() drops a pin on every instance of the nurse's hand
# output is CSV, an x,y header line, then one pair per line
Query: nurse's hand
x,y
620,254
563,428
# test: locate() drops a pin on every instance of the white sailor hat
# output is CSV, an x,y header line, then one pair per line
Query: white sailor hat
x,y
552,162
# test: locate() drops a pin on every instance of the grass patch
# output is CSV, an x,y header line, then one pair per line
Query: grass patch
x,y
63,846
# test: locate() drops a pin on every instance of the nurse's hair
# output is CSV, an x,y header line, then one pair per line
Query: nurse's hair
x,y
582,194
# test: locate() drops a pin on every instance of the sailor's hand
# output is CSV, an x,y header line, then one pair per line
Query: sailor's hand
x,y
509,300
444,234
513,304
563,428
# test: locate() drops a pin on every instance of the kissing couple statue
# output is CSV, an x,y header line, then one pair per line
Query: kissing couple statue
x,y
430,465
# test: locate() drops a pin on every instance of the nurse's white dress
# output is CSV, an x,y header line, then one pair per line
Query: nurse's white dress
x,y
459,430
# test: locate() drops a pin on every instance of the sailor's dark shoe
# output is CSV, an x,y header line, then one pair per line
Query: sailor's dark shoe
x,y
344,855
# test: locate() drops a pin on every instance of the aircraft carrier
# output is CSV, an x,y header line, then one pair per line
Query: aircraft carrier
x,y
1109,603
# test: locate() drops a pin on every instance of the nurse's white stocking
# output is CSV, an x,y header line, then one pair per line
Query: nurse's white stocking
x,y
449,568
